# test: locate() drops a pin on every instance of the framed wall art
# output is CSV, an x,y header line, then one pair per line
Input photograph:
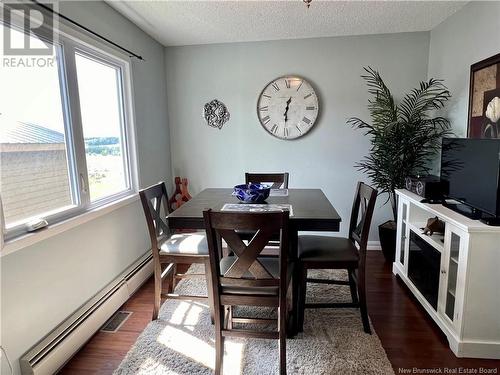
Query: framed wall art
x,y
484,99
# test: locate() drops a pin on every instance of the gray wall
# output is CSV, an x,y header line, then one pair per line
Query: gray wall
x,y
236,74
42,284
470,35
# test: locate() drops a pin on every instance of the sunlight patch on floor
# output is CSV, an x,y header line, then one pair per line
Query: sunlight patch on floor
x,y
151,363
188,345
233,357
187,314
180,339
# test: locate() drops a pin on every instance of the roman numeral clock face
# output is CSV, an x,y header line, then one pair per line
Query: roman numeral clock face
x,y
288,107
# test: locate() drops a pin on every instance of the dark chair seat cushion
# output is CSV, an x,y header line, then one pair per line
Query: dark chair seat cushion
x,y
272,265
324,249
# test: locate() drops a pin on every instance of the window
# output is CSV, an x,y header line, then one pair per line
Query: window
x,y
65,132
102,125
35,178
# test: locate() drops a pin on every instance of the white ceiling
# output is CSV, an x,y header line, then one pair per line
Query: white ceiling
x,y
175,23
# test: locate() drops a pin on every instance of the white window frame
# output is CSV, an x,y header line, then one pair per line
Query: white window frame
x,y
70,42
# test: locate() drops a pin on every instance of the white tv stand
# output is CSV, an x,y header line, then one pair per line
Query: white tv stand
x,y
461,292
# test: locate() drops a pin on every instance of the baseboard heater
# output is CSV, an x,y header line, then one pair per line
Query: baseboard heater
x,y
55,349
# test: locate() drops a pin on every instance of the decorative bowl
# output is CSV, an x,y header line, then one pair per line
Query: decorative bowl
x,y
252,193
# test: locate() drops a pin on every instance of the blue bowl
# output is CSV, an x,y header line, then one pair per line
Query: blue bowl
x,y
252,193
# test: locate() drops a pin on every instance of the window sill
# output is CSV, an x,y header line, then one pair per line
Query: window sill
x,y
29,239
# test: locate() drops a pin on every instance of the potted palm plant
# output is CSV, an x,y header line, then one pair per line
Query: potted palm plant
x,y
405,138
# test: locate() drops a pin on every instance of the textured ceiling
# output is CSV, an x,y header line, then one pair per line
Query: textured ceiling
x,y
175,23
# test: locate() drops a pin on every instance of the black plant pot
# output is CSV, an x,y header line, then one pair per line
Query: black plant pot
x,y
387,235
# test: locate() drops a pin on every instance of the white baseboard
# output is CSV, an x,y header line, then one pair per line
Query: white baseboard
x,y
478,349
55,349
373,245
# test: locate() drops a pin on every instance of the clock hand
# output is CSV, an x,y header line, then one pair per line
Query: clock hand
x,y
287,107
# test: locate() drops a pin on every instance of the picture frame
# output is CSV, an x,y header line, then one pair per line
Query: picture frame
x,y
484,99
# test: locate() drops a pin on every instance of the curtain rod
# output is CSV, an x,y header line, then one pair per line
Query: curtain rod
x,y
87,29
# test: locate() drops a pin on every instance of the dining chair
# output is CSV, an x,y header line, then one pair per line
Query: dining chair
x,y
170,249
278,180
246,279
323,252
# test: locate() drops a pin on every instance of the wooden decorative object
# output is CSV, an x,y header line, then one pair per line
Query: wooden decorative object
x,y
181,194
434,225
184,189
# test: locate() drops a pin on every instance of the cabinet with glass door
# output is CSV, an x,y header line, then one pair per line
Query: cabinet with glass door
x,y
452,275
402,235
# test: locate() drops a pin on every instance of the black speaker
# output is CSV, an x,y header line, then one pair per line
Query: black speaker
x,y
430,187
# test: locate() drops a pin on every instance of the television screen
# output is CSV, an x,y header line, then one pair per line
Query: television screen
x,y
472,169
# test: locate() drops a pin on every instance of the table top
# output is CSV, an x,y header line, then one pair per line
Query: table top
x,y
312,211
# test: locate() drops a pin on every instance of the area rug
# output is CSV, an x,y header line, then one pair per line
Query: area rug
x,y
181,341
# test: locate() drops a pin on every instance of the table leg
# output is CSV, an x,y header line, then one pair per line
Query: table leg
x,y
222,252
210,291
293,256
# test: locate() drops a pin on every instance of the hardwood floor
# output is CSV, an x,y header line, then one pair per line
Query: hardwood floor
x,y
408,335
104,351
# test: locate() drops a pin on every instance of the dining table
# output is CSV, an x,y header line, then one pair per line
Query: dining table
x,y
310,211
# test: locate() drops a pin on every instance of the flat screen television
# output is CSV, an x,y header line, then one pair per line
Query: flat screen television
x,y
472,169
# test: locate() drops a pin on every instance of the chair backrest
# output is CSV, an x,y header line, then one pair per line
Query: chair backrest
x,y
155,204
246,270
278,180
361,216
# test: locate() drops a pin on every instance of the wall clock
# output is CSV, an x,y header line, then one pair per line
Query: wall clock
x,y
288,107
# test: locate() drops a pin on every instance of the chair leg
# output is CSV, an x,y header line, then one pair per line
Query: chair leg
x,y
171,280
282,335
352,286
302,298
295,303
362,301
210,291
174,280
219,340
157,296
229,317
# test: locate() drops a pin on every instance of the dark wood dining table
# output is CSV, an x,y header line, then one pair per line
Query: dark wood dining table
x,y
311,209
